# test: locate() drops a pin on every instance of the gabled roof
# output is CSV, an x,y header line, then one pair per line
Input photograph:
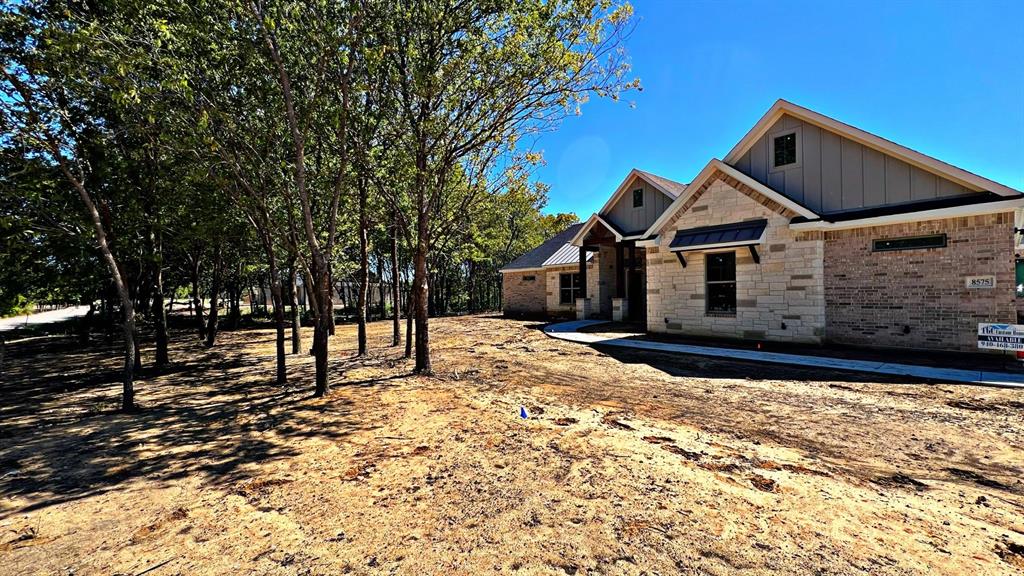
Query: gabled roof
x,y
913,157
716,165
669,188
673,188
555,251
594,220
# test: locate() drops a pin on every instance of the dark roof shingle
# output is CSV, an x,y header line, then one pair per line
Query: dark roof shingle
x,y
552,249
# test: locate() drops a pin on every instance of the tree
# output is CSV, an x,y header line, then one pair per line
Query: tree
x,y
48,60
310,47
472,78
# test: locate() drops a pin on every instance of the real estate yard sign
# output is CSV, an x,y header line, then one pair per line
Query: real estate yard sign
x,y
1001,337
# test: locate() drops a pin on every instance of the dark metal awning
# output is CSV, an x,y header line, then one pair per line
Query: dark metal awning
x,y
745,233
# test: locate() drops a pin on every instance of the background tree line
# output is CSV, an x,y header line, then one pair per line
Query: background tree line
x,y
212,150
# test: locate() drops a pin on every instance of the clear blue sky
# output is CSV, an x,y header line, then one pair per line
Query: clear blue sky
x,y
944,78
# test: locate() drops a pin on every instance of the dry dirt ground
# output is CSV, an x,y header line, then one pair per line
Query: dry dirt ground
x,y
629,463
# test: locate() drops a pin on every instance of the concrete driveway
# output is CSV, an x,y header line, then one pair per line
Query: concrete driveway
x,y
43,317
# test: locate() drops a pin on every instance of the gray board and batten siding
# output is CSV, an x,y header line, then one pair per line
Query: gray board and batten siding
x,y
637,220
834,173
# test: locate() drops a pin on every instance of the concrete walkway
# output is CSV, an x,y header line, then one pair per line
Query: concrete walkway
x,y
47,317
569,331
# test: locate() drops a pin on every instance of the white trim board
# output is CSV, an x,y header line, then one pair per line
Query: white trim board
x,y
534,269
624,186
913,157
921,216
705,173
577,240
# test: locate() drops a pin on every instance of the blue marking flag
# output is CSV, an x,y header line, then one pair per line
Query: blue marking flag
x,y
522,412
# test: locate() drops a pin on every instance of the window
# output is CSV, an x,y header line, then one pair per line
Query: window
x,y
530,278
912,243
720,280
784,149
568,288
638,198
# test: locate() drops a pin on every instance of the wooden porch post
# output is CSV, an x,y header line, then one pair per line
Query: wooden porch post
x,y
583,271
620,272
632,259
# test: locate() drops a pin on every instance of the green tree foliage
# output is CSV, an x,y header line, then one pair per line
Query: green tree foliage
x,y
226,149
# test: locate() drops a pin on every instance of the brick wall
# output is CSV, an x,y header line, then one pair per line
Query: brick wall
x,y
871,296
786,287
523,296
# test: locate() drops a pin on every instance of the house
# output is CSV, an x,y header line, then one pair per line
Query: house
x,y
809,230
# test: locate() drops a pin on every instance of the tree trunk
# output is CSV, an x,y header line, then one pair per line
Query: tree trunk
x,y
211,326
128,313
197,301
296,316
159,312
396,325
278,301
324,324
421,299
410,314
382,291
275,292
364,271
138,350
308,287
234,303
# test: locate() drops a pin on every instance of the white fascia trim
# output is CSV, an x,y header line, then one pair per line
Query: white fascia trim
x,y
577,240
702,247
922,161
648,242
937,214
691,189
634,173
705,173
544,268
510,270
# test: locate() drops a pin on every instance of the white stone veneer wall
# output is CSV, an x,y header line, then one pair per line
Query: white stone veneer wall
x,y
786,287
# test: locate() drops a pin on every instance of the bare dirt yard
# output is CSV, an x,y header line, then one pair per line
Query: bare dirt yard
x,y
629,463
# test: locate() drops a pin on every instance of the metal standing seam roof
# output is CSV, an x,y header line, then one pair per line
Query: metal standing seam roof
x,y
556,251
567,254
735,234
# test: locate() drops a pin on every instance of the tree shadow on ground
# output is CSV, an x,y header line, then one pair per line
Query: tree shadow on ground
x,y
213,414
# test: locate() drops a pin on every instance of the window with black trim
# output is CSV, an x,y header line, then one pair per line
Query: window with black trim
x,y
529,278
568,288
784,150
910,243
638,198
720,283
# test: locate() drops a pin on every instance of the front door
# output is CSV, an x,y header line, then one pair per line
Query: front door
x,y
637,296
